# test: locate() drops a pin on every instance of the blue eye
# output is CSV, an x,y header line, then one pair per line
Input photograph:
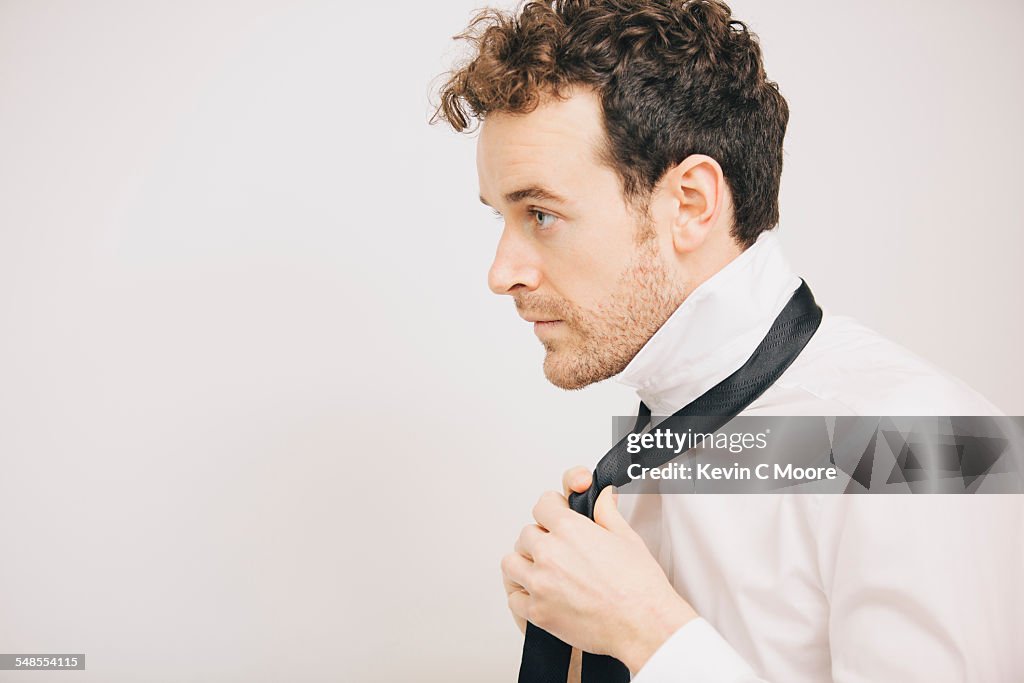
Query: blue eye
x,y
542,220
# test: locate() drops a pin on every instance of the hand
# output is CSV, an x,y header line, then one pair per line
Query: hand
x,y
574,479
593,584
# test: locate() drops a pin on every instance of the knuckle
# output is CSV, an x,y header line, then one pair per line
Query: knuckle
x,y
540,584
550,563
562,526
539,549
539,506
526,543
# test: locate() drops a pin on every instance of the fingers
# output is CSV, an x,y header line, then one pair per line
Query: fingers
x,y
528,539
516,569
606,513
515,593
575,479
552,510
510,585
519,604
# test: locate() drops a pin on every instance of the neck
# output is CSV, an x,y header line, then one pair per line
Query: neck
x,y
717,251
718,325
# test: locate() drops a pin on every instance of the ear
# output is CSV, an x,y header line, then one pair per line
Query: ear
x,y
699,192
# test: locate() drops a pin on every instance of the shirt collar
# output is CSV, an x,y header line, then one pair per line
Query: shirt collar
x,y
715,330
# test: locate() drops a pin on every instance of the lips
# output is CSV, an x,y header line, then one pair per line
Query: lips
x,y
542,327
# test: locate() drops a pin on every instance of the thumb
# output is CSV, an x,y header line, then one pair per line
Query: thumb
x,y
606,512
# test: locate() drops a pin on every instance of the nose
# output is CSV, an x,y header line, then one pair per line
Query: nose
x,y
515,265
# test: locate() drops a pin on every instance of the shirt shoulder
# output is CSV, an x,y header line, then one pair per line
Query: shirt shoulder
x,y
849,369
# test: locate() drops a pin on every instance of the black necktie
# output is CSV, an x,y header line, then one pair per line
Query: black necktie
x,y
545,657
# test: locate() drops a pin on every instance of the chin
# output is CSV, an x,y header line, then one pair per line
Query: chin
x,y
570,375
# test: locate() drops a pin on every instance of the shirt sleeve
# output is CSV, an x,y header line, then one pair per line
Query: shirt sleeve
x,y
696,652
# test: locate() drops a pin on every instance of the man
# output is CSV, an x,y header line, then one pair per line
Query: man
x,y
634,151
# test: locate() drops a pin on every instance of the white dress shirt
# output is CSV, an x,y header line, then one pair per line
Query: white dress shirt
x,y
794,588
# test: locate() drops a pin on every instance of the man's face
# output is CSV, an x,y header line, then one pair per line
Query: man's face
x,y
575,256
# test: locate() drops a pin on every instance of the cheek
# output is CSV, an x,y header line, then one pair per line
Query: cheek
x,y
585,285
589,260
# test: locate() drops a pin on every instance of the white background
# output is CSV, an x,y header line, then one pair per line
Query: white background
x,y
260,417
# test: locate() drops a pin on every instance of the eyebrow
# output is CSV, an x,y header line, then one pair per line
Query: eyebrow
x,y
535,192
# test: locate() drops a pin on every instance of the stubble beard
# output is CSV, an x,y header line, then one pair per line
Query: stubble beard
x,y
602,342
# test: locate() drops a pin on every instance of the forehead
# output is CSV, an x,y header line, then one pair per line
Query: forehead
x,y
557,146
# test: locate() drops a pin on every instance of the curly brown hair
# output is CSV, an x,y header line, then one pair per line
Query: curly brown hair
x,y
675,78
